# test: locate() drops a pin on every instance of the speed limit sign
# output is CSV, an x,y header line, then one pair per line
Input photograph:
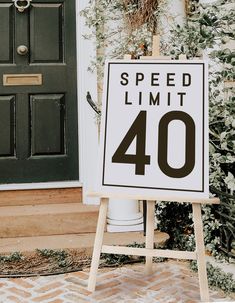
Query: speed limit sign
x,y
155,128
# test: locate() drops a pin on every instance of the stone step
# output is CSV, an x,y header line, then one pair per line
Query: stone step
x,y
82,242
40,196
47,219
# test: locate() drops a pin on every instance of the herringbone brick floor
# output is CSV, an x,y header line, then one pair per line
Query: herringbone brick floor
x,y
172,282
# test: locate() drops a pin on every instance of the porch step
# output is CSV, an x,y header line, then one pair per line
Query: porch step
x,y
47,219
82,242
40,196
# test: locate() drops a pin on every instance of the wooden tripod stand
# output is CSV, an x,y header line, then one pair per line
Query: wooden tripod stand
x,y
149,252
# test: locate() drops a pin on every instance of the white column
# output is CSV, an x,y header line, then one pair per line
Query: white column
x,y
124,215
87,129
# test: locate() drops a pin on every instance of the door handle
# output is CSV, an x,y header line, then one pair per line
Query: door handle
x,y
21,5
22,50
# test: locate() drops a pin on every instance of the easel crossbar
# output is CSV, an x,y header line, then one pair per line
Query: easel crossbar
x,y
163,253
101,195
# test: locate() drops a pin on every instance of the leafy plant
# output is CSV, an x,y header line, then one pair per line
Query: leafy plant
x,y
15,256
58,255
209,31
217,278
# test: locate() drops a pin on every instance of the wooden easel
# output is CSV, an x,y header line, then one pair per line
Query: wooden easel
x,y
149,252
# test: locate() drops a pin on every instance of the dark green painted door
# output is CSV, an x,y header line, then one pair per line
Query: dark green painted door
x,y
38,123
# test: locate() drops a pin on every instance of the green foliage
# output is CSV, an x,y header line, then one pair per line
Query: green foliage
x,y
209,31
14,257
209,26
217,278
206,32
174,219
58,255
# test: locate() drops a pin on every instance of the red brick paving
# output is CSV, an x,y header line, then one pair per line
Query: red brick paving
x,y
172,282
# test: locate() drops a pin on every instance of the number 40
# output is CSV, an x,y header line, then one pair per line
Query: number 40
x,y
140,159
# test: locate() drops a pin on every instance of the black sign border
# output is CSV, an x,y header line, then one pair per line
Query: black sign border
x,y
203,126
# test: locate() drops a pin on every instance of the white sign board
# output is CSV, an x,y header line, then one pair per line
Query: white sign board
x,y
155,129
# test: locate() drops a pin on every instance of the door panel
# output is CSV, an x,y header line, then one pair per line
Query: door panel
x,y
6,33
48,129
46,18
7,126
43,144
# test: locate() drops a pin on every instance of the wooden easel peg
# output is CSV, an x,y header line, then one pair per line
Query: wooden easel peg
x,y
155,51
127,57
182,57
156,46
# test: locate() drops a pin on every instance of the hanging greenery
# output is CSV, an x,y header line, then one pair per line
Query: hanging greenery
x,y
140,12
191,6
122,27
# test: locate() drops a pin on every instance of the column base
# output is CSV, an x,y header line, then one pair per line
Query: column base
x,y
126,222
124,217
131,225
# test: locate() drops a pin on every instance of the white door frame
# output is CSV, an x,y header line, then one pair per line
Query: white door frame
x,y
88,130
88,133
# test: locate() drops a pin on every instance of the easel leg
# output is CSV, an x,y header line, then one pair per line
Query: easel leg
x,y
200,250
149,243
98,243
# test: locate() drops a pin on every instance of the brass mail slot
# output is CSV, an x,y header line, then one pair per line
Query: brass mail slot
x,y
22,79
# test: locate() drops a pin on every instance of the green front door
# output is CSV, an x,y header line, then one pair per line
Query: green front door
x,y
38,99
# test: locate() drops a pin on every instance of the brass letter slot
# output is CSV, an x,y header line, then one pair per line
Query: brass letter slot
x,y
22,79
